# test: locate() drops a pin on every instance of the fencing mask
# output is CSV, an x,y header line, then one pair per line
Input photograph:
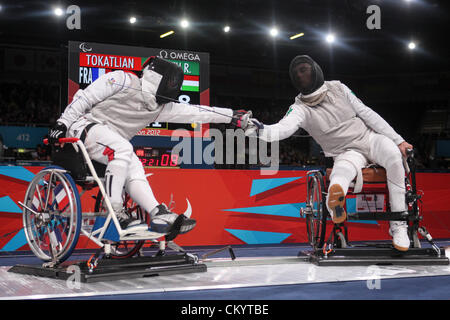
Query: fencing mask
x,y
171,76
306,75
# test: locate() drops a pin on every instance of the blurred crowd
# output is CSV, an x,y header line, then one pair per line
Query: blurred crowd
x,y
294,151
28,103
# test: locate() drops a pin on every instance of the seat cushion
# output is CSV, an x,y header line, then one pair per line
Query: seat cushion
x,y
370,175
74,162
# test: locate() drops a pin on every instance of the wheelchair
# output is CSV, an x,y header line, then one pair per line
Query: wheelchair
x,y
336,244
53,218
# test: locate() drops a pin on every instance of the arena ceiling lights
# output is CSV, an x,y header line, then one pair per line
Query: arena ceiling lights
x,y
273,32
295,36
184,23
330,38
167,34
58,11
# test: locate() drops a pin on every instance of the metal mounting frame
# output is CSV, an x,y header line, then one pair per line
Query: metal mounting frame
x,y
116,269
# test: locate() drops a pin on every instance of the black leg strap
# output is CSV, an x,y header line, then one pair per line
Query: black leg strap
x,y
86,130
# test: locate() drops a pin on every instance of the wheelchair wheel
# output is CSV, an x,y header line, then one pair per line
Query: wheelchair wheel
x,y
316,212
125,249
52,226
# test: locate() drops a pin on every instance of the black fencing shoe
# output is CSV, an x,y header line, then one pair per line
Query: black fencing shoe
x,y
165,221
128,223
181,225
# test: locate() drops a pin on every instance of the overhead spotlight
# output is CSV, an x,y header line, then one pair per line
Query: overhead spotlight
x,y
226,29
58,11
167,34
411,45
133,20
330,38
184,23
298,35
274,32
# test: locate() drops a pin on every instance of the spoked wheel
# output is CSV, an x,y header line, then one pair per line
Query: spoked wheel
x,y
316,212
125,249
52,215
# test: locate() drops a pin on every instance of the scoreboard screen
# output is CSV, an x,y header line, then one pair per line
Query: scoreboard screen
x,y
87,61
157,157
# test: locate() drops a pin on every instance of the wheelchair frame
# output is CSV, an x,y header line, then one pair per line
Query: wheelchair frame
x,y
52,221
336,250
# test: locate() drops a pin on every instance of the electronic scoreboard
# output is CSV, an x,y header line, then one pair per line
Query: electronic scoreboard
x,y
88,60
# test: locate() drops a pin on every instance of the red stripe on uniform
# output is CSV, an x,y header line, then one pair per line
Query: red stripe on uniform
x,y
109,153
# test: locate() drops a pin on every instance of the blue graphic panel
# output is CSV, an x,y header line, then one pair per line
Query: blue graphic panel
x,y
350,204
258,237
19,173
286,210
262,185
8,205
18,241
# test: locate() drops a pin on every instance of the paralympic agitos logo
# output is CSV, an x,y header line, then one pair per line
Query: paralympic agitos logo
x,y
84,47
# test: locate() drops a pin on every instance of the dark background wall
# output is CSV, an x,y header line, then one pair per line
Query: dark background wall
x,y
409,88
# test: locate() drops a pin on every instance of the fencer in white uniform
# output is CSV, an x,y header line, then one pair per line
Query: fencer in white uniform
x,y
113,109
347,130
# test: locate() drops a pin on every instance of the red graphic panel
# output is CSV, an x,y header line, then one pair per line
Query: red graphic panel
x,y
212,193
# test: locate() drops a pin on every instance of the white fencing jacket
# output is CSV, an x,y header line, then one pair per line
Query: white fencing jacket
x,y
118,100
339,123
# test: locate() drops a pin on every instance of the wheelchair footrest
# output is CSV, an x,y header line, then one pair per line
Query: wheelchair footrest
x,y
364,256
116,269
